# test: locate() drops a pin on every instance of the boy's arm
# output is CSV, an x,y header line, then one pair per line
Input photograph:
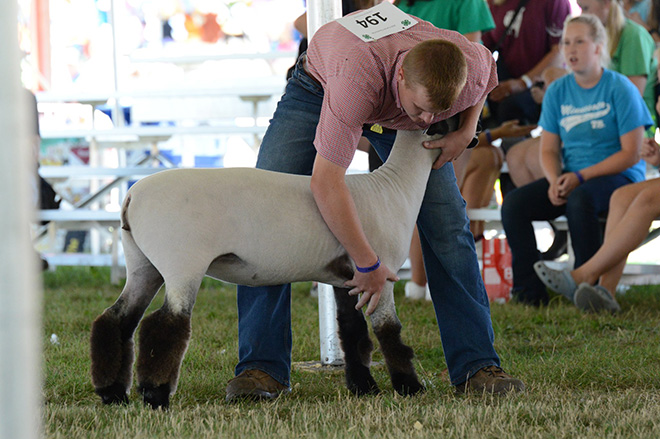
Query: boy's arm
x,y
337,207
454,143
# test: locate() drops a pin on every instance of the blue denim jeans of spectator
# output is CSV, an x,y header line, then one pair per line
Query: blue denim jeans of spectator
x,y
459,297
583,209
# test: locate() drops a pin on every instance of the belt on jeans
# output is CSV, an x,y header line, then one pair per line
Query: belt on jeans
x,y
304,64
376,128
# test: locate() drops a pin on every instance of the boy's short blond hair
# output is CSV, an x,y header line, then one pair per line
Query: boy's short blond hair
x,y
440,67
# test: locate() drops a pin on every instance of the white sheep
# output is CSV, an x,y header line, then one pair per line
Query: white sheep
x,y
253,227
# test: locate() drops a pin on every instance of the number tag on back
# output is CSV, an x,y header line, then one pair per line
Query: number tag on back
x,y
380,21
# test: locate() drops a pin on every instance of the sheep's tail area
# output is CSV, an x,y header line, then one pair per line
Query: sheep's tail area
x,y
136,260
124,214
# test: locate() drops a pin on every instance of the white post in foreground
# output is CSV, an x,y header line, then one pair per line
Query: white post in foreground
x,y
20,359
320,12
331,351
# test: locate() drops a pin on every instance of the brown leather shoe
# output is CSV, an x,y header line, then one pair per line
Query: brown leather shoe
x,y
491,379
254,384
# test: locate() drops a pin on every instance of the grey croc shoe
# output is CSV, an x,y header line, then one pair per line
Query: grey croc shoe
x,y
594,299
559,281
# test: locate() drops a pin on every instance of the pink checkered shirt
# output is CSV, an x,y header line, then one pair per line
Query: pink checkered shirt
x,y
359,80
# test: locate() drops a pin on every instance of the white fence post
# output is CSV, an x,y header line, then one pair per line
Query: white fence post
x,y
331,351
320,12
20,357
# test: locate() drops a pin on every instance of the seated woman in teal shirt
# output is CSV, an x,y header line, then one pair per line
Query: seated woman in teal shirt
x,y
593,121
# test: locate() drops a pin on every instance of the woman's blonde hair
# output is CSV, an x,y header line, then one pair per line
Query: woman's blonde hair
x,y
597,33
440,67
616,20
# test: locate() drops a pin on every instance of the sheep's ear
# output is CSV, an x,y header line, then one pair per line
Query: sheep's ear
x,y
444,126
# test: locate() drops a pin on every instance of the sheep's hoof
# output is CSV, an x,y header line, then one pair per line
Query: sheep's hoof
x,y
364,390
113,394
406,384
156,397
361,383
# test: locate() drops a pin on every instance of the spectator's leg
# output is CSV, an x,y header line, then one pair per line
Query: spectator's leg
x,y
584,207
521,207
632,210
417,271
478,183
524,161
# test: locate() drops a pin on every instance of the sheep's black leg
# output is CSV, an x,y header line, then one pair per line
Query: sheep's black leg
x,y
111,339
355,341
112,356
398,356
164,337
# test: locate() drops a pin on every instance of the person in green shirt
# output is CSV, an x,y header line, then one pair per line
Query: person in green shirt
x,y
468,17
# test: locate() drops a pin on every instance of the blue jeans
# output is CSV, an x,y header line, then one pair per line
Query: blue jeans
x,y
459,297
583,209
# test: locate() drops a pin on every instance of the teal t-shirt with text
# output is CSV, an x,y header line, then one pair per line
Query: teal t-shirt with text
x,y
591,121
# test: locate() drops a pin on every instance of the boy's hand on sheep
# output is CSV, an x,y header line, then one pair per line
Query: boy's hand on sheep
x,y
370,285
452,146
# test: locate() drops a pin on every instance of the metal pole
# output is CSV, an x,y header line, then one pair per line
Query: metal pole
x,y
320,12
331,351
117,111
20,357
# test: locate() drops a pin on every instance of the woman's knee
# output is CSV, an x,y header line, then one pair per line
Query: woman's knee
x,y
514,206
578,197
622,197
647,198
486,159
515,156
533,154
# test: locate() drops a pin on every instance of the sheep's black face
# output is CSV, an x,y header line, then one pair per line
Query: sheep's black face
x,y
448,125
444,126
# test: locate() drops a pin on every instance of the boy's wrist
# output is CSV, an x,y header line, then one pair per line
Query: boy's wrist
x,y
369,268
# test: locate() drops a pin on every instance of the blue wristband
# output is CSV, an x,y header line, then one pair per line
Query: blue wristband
x,y
368,269
489,136
579,176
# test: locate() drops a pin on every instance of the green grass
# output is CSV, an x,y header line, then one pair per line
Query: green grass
x,y
591,376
